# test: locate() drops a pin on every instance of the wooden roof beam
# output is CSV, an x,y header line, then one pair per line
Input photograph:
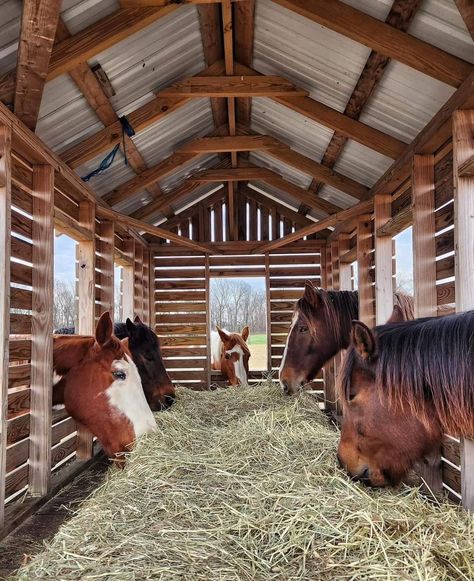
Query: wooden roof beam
x,y
466,9
228,143
383,38
161,3
244,26
139,119
358,209
234,86
400,16
467,168
350,128
38,30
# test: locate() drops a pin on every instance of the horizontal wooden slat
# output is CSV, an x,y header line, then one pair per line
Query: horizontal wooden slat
x,y
21,249
309,271
19,375
17,454
63,450
20,298
179,273
20,324
186,318
444,217
445,293
292,283
18,428
281,317
288,295
164,261
236,260
18,401
187,375
445,267
21,225
182,351
184,284
181,341
181,329
452,450
185,364
17,480
282,306
445,243
451,476
237,272
180,307
21,273
20,349
62,429
180,296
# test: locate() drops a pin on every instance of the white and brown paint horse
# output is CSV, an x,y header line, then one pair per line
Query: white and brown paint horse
x,y
97,381
230,354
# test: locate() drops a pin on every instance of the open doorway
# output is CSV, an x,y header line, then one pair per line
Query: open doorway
x,y
65,282
237,302
404,260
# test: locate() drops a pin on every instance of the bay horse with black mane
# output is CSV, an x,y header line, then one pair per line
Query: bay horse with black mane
x,y
230,354
97,381
320,328
402,386
145,348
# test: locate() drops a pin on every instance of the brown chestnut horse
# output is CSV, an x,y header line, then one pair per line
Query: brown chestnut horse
x,y
230,354
320,328
402,386
98,382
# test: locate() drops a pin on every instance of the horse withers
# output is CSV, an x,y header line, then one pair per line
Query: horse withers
x,y
145,348
97,381
320,328
230,354
402,386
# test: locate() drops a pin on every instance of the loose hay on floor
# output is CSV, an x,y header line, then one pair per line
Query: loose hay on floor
x,y
243,484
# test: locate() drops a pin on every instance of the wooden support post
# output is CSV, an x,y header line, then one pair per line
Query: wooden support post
x,y
329,377
345,282
128,281
107,267
463,149
424,275
366,290
383,260
5,230
138,281
152,286
424,246
42,331
269,312
146,286
232,214
86,311
207,283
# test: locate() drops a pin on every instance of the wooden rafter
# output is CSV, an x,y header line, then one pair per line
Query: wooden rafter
x,y
143,3
358,209
38,30
230,143
400,16
95,95
234,86
383,38
244,16
466,9
350,128
139,119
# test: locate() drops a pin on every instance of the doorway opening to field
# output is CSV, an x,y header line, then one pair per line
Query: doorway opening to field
x,y
237,302
66,301
404,261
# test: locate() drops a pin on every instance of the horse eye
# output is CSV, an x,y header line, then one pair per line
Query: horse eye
x,y
303,329
121,375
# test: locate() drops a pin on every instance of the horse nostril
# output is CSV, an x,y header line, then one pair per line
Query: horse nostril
x,y
363,476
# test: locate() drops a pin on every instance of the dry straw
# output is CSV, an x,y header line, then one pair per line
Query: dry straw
x,y
243,484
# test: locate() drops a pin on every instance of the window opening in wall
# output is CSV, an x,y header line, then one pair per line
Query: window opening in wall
x,y
237,302
65,307
118,293
404,260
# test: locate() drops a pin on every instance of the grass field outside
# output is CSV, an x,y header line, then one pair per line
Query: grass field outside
x,y
257,339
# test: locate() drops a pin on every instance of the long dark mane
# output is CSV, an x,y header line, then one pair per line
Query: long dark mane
x,y
425,364
339,308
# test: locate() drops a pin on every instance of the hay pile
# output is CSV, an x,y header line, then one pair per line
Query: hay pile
x,y
243,484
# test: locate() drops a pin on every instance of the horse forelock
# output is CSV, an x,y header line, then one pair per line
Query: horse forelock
x,y
423,365
236,339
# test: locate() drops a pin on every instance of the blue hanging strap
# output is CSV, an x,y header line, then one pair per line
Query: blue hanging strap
x,y
108,160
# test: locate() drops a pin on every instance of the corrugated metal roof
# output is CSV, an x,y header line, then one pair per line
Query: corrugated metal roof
x,y
79,14
287,171
117,173
361,163
184,171
322,61
153,58
10,11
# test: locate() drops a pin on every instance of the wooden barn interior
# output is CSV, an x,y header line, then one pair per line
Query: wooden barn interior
x,y
285,139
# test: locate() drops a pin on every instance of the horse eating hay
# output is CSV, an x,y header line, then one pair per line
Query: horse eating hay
x,y
98,383
401,387
320,328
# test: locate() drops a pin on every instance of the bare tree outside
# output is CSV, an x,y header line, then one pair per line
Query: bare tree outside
x,y
64,314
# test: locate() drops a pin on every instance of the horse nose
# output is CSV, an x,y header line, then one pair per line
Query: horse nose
x,y
363,476
285,386
167,402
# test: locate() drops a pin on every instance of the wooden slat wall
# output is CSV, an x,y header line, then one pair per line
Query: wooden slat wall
x,y
181,315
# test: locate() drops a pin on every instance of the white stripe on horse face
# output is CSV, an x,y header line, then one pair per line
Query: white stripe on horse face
x,y
127,396
56,378
294,320
239,367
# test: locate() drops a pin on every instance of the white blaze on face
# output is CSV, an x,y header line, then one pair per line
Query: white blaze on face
x,y
56,379
239,367
292,326
128,397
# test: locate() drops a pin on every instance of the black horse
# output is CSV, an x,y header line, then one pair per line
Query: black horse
x,y
145,349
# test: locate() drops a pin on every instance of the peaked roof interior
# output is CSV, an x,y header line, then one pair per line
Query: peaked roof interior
x,y
365,96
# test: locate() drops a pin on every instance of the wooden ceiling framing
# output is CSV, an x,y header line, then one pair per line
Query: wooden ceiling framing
x,y
227,29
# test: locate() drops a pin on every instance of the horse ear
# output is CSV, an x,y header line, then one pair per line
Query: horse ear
x,y
137,319
222,334
130,326
245,332
104,329
311,294
397,316
364,340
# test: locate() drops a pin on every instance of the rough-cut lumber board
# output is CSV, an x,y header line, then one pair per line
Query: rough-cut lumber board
x,y
383,38
5,229
67,225
383,260
227,26
463,149
86,304
400,16
466,9
234,86
395,225
230,143
105,245
467,168
38,29
42,330
244,24
424,246
161,3
365,288
429,140
350,128
102,35
342,216
128,280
